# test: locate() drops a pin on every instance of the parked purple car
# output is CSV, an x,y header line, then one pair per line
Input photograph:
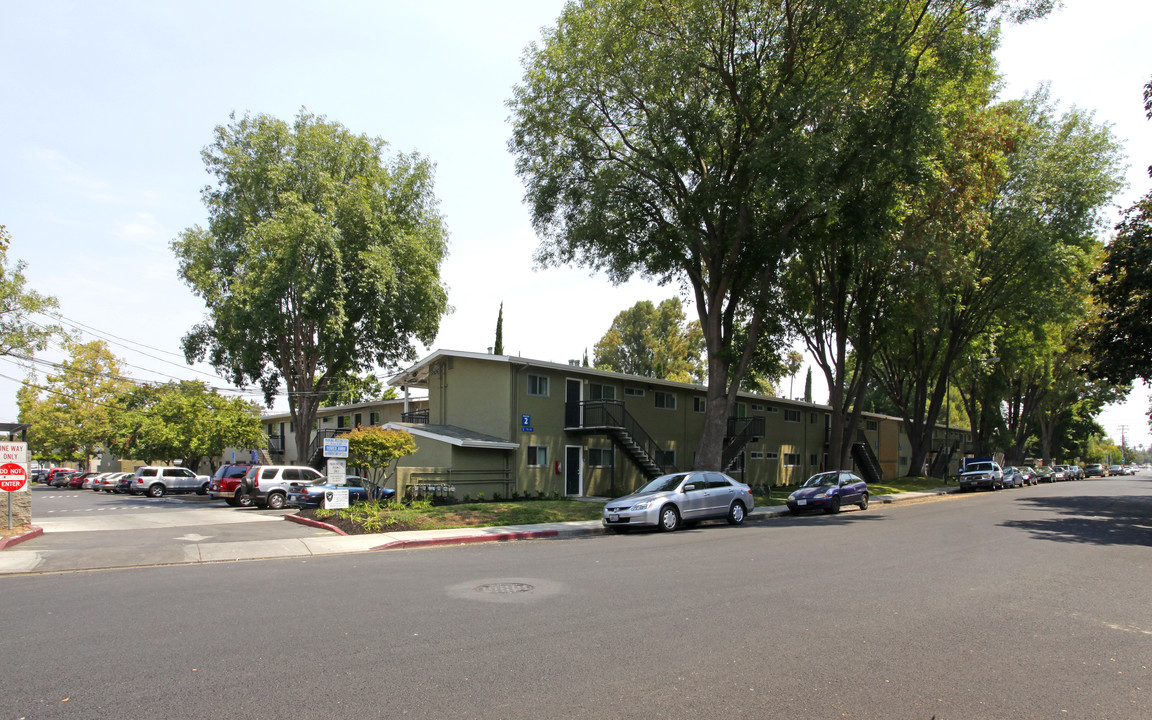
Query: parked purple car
x,y
829,491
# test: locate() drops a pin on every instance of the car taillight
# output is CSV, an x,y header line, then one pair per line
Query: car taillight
x,y
256,482
140,480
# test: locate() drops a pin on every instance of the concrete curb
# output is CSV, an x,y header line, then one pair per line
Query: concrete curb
x,y
315,523
466,539
32,532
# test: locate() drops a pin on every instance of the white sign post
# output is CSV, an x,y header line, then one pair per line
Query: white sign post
x,y
336,498
335,447
337,471
13,471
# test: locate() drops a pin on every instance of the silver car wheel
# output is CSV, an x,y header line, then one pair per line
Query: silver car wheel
x,y
669,518
736,513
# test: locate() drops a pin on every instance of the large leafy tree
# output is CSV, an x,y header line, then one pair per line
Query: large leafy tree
x,y
71,413
321,258
652,341
1122,288
1016,258
689,141
185,421
20,336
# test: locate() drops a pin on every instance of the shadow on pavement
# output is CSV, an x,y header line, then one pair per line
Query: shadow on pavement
x,y
1097,520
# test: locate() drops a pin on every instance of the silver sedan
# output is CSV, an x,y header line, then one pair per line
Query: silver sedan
x,y
684,497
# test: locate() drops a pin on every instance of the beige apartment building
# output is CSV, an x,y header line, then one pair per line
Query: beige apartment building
x,y
510,426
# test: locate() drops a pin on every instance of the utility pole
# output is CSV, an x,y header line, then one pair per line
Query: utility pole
x,y
1123,445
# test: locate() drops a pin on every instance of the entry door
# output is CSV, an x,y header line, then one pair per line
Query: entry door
x,y
572,470
573,394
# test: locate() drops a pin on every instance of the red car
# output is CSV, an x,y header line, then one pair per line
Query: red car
x,y
78,480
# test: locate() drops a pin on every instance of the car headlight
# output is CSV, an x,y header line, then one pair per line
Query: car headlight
x,y
642,505
829,493
792,496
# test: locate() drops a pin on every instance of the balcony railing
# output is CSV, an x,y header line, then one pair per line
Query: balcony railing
x,y
416,417
276,444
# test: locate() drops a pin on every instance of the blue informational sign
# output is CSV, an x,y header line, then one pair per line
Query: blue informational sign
x,y
525,420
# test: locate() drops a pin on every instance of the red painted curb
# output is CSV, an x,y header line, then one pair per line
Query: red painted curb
x,y
314,523
35,531
464,539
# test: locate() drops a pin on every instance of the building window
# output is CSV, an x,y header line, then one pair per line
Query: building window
x,y
327,420
792,416
373,418
601,392
665,457
698,403
600,457
772,409
812,459
537,456
812,418
871,425
771,456
341,422
756,455
633,392
357,420
538,385
664,401
791,459
904,461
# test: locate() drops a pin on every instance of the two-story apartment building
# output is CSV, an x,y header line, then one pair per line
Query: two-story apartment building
x,y
509,425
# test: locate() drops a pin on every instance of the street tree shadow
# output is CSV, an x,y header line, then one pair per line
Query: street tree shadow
x,y
1091,519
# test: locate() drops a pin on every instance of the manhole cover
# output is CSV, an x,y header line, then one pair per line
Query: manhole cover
x,y
504,588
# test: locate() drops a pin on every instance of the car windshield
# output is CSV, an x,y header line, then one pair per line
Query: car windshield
x,y
664,483
978,467
822,480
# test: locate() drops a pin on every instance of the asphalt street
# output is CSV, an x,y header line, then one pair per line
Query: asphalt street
x,y
1028,603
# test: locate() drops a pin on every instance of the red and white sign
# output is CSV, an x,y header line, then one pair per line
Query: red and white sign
x,y
13,477
13,466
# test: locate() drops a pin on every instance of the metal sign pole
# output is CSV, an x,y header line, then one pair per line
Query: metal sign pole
x,y
9,510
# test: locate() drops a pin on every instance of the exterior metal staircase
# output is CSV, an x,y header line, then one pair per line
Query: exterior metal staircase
x,y
741,431
608,417
866,459
316,448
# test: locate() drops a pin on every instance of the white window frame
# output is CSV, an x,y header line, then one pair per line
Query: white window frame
x,y
633,392
536,450
792,459
539,380
699,404
597,456
658,394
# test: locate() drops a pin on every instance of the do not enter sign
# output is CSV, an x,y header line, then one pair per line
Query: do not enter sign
x,y
12,477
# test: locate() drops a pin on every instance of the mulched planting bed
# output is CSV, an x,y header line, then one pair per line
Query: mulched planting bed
x,y
351,527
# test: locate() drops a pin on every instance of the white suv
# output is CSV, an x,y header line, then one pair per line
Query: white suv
x,y
267,485
155,480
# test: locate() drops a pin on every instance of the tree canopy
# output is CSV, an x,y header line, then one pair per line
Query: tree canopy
x,y
653,341
71,413
19,335
184,421
691,141
321,257
378,449
1122,287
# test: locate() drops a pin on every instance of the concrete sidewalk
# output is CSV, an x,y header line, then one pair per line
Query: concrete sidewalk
x,y
26,561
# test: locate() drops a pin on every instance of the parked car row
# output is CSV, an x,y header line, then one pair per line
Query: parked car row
x,y
269,486
987,474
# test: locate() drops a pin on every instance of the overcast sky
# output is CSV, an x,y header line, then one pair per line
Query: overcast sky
x,y
108,105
